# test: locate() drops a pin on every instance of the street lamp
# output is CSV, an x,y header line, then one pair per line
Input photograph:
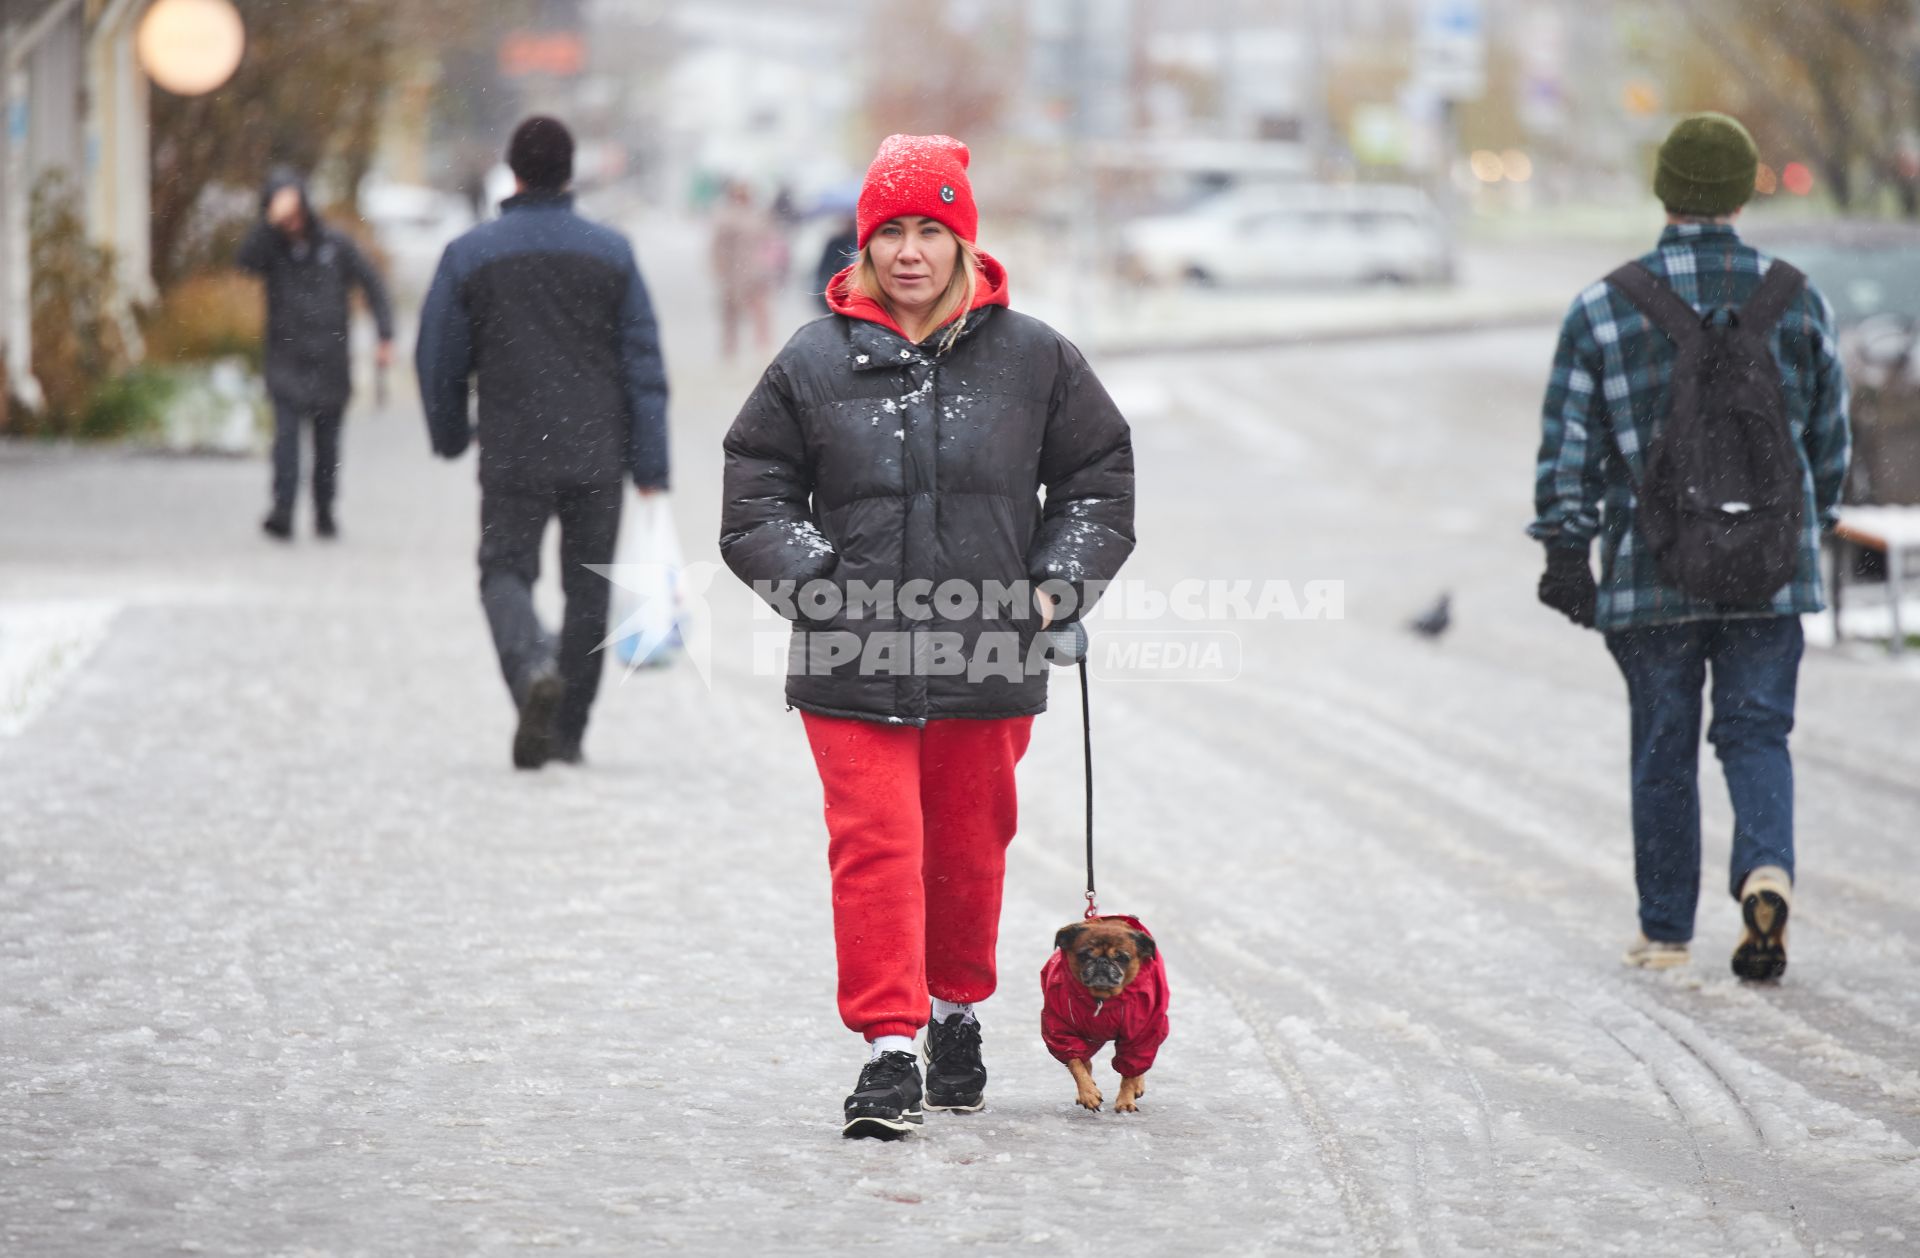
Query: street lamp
x,y
191,47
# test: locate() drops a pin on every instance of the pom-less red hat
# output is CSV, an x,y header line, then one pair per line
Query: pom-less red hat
x,y
918,174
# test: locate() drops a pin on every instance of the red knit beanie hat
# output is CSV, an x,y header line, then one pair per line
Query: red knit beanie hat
x,y
919,174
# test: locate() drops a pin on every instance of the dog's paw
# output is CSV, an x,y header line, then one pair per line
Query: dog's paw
x,y
1089,1097
1131,1090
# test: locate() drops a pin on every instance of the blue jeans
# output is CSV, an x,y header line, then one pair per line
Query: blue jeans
x,y
1756,664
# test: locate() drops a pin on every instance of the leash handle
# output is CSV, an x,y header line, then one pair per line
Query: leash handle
x,y
1086,736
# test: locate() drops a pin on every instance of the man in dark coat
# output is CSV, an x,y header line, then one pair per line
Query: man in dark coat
x,y
310,271
549,312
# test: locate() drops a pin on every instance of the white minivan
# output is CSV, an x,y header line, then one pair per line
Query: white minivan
x,y
1293,234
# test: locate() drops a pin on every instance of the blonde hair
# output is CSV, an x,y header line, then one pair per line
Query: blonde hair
x,y
954,303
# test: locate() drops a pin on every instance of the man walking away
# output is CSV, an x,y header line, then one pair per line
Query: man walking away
x,y
549,312
310,271
1696,421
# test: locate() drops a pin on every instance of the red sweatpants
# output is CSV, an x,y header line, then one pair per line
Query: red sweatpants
x,y
918,822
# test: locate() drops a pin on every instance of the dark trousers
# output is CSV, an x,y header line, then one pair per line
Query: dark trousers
x,y
512,523
287,422
1756,667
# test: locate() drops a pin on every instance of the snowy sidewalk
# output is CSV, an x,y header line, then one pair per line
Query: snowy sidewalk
x,y
292,963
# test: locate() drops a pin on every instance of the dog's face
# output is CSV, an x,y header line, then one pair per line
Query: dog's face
x,y
1105,956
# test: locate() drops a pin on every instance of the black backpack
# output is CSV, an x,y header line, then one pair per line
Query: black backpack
x,y
1722,504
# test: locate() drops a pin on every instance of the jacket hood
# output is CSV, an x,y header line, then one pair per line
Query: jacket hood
x,y
1146,986
287,177
842,300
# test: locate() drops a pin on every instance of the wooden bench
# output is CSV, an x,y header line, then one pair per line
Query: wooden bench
x,y
1891,531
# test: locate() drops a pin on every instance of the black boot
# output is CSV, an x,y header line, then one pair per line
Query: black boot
x,y
956,1077
533,740
885,1104
278,524
323,524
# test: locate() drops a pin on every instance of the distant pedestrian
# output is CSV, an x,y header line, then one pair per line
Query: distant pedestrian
x,y
749,257
547,312
310,272
902,444
1696,422
835,256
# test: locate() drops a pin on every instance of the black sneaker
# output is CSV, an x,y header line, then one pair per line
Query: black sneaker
x,y
956,1077
533,740
885,1104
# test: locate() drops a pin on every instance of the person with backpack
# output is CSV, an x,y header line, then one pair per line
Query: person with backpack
x,y
1696,423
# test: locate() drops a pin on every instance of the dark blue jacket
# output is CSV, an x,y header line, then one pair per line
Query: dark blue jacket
x,y
549,311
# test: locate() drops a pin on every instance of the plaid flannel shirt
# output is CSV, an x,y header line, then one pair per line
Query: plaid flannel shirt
x,y
1608,397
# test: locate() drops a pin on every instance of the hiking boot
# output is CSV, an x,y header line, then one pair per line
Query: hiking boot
x,y
956,1077
1765,898
278,525
885,1104
533,740
1657,954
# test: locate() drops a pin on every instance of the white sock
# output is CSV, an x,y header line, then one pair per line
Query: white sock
x,y
892,1044
944,1009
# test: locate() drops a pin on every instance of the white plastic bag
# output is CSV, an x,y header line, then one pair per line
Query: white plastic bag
x,y
647,595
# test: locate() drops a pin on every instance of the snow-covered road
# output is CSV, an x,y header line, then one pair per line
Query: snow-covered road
x,y
292,963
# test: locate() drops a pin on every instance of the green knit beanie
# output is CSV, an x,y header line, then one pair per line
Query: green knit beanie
x,y
1707,167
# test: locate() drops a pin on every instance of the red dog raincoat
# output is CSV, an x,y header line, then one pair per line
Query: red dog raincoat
x,y
1075,1024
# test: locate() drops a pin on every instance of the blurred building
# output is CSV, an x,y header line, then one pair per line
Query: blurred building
x,y
696,92
76,105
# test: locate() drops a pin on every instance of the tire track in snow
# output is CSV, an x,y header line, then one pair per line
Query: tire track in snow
x,y
1419,1150
1360,1203
1685,1056
1696,1114
1327,686
1846,1060
1850,1063
1227,970
1357,788
1686,1124
1422,764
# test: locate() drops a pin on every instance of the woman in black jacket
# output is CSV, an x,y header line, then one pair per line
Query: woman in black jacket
x,y
883,491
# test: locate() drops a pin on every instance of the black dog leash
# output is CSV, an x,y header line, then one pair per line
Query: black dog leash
x,y
1069,645
1086,733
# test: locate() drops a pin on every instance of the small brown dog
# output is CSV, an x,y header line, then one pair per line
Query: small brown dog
x,y
1105,984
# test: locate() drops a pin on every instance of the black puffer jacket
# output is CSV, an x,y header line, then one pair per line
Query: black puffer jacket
x,y
309,282
863,457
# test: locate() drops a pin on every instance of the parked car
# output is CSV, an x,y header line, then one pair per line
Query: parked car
x,y
1293,234
1871,274
414,225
